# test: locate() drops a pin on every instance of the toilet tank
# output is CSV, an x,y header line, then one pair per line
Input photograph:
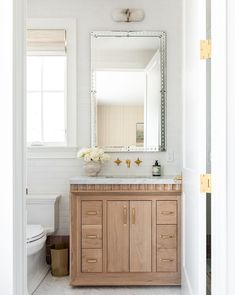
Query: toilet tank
x,y
44,210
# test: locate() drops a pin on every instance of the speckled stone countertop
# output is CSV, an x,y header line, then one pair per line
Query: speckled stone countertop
x,y
125,180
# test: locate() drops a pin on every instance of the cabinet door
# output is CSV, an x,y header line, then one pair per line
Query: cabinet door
x,y
118,236
140,236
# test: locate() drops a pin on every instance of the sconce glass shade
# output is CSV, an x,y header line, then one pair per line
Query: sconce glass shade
x,y
128,15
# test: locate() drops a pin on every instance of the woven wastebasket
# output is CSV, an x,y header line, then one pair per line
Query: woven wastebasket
x,y
59,260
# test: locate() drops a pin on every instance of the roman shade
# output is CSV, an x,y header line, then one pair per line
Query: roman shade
x,y
44,40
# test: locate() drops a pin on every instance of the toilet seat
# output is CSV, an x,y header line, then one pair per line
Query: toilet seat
x,y
34,232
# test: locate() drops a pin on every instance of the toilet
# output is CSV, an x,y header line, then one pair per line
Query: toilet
x,y
42,220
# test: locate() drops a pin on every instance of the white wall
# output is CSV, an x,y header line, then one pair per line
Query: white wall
x,y
52,175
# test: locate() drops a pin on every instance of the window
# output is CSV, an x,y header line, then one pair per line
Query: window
x,y
46,99
51,88
46,87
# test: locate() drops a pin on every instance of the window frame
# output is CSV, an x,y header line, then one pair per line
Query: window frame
x,y
69,25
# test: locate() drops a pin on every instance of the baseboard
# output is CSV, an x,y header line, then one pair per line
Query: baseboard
x,y
186,287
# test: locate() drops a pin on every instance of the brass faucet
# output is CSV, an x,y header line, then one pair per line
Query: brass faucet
x,y
128,162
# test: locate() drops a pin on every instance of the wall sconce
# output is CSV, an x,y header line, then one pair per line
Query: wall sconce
x,y
128,15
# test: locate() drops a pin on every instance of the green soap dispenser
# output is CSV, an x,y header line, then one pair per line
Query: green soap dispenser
x,y
156,169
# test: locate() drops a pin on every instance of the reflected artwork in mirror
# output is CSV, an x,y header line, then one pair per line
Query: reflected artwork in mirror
x,y
128,91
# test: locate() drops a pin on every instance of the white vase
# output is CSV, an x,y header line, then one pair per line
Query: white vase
x,y
92,168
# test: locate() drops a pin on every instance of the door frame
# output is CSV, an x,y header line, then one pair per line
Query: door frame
x,y
19,112
13,22
219,145
230,145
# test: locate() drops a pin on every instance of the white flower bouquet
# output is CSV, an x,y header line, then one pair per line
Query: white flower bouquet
x,y
93,157
93,154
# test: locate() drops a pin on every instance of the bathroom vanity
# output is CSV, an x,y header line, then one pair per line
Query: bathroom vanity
x,y
125,231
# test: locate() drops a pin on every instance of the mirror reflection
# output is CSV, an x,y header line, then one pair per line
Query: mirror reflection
x,y
128,92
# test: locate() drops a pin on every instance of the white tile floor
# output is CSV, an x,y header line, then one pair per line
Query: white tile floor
x,y
60,286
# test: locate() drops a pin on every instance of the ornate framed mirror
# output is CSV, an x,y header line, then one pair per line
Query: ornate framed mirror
x,y
128,91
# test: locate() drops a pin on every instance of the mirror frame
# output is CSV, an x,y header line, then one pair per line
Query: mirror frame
x,y
163,49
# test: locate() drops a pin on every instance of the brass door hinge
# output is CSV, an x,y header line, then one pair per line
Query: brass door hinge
x,y
205,183
205,49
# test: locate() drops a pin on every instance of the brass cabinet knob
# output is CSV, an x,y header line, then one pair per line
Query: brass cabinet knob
x,y
167,212
91,260
118,162
91,212
166,260
138,161
166,236
91,236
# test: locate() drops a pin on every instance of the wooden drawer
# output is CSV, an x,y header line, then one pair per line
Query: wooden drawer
x,y
166,260
166,212
91,260
92,236
166,236
92,212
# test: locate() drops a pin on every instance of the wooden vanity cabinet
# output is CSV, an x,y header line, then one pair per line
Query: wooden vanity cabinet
x,y
125,235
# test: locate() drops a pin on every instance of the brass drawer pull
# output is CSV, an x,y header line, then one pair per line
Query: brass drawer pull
x,y
133,215
167,236
125,214
91,213
167,212
91,260
166,260
91,236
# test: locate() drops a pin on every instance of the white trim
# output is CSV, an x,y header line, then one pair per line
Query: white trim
x,y
12,170
186,287
230,17
219,148
19,157
70,25
6,117
43,152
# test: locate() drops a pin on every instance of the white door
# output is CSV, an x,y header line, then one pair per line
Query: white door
x,y
194,150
